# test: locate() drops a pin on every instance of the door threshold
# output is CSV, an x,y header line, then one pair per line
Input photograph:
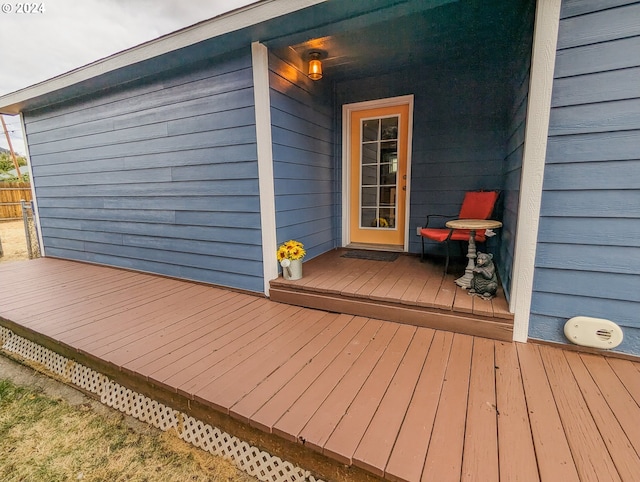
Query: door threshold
x,y
395,248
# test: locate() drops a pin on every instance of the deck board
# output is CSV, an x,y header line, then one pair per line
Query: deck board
x,y
410,450
463,302
404,402
515,445
230,387
318,429
167,346
618,445
114,302
360,289
270,412
444,458
222,353
411,294
480,458
404,290
555,461
162,325
64,294
291,423
244,408
345,438
619,399
377,442
365,277
577,420
191,348
629,375
387,284
427,296
214,368
151,307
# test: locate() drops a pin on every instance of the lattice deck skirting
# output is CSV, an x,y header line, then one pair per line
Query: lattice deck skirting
x,y
255,462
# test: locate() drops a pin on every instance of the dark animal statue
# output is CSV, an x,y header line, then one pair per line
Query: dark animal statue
x,y
485,280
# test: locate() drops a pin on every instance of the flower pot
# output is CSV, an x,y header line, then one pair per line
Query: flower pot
x,y
293,271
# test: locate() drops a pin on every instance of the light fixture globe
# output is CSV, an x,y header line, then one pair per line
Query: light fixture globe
x,y
315,66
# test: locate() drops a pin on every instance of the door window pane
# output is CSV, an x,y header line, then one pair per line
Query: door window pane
x,y
370,130
388,217
387,196
369,218
378,175
370,196
387,174
369,175
389,128
370,153
389,152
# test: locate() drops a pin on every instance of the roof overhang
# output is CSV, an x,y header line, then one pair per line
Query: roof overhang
x,y
361,39
216,27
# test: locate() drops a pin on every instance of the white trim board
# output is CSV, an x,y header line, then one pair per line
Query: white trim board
x,y
347,109
215,27
545,39
260,61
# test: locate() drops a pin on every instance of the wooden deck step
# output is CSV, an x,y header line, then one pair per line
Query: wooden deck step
x,y
470,324
404,291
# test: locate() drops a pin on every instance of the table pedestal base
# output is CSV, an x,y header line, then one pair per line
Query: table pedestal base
x,y
465,280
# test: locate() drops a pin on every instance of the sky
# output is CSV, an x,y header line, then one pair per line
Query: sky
x,y
62,35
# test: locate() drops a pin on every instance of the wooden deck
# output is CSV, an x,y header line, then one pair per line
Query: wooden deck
x,y
351,397
404,290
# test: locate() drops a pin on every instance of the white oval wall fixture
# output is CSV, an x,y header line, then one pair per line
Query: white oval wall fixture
x,y
593,332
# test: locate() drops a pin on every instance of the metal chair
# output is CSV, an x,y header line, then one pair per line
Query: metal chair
x,y
476,205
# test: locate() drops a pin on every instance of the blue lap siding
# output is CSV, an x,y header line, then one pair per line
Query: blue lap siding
x,y
588,257
458,135
303,158
515,134
157,175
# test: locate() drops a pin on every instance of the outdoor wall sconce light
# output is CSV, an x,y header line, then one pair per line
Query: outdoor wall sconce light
x,y
315,65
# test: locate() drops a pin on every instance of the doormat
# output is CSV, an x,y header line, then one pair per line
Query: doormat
x,y
371,255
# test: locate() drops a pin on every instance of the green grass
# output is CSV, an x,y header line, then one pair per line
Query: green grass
x,y
44,439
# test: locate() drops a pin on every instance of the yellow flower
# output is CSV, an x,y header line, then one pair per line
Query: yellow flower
x,y
296,253
291,250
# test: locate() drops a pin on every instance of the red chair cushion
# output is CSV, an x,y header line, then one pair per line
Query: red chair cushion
x,y
440,235
478,205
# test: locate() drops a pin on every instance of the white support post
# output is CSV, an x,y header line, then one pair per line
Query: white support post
x,y
260,63
545,39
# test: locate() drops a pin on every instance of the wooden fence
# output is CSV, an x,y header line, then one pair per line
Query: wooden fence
x,y
10,195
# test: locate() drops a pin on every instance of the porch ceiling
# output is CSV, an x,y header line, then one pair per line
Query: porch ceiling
x,y
361,39
410,34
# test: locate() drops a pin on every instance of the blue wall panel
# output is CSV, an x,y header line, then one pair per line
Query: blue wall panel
x,y
458,134
159,175
587,260
518,86
303,158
